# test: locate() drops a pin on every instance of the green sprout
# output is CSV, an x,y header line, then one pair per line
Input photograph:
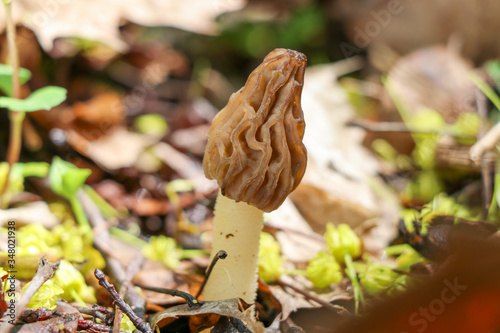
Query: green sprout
x,y
66,179
11,79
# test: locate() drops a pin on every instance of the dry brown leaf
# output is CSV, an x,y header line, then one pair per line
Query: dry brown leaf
x,y
298,241
116,149
105,109
100,20
208,314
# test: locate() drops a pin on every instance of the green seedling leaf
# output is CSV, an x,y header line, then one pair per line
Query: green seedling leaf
x,y
42,99
31,169
66,178
6,78
486,89
493,69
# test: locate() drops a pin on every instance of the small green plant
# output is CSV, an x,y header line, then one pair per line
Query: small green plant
x,y
66,179
11,79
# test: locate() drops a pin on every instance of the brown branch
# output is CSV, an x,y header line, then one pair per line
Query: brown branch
x,y
127,310
337,308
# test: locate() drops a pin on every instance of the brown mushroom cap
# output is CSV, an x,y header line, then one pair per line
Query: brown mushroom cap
x,y
255,149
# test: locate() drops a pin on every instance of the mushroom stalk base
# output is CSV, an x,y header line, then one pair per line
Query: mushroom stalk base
x,y
237,228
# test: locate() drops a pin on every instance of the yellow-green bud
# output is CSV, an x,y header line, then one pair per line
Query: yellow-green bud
x,y
377,278
163,249
73,283
342,240
323,270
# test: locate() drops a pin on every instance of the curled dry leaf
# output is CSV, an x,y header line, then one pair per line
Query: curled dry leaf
x,y
208,314
263,125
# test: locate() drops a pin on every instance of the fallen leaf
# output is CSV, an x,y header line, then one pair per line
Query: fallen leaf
x,y
116,149
99,20
298,241
207,314
104,109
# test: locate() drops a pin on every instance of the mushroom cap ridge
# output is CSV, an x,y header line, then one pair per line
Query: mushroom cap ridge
x,y
255,149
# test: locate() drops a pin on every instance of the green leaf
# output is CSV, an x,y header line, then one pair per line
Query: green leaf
x,y
493,69
65,178
30,169
6,78
41,99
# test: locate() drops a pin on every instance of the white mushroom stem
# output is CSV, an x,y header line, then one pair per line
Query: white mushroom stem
x,y
237,228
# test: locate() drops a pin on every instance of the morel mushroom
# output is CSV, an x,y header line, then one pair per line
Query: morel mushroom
x,y
256,154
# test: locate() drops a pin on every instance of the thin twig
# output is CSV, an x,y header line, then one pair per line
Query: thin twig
x,y
106,316
127,310
191,300
487,142
220,255
337,308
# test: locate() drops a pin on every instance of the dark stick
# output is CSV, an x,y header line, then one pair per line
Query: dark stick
x,y
191,301
308,295
138,322
220,255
